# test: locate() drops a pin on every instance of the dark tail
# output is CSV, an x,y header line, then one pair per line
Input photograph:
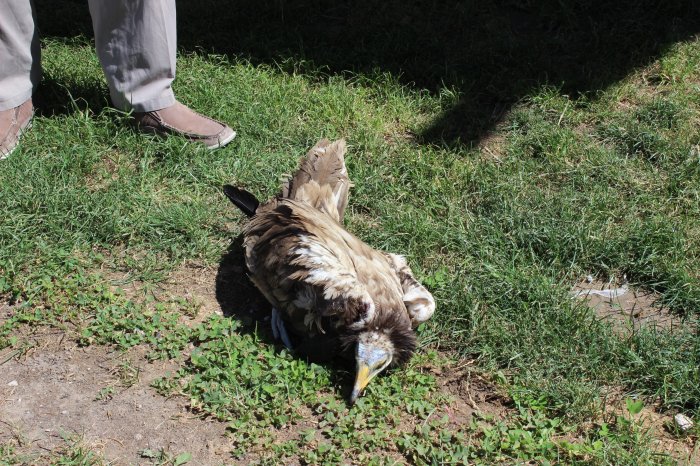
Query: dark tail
x,y
242,199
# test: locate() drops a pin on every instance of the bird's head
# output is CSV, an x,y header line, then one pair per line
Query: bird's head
x,y
378,348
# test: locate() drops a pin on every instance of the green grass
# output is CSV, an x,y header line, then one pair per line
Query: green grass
x,y
603,179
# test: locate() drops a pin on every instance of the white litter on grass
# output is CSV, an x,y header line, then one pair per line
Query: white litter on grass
x,y
683,422
12,384
610,294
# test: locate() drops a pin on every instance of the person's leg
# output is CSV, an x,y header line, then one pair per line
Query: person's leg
x,y
20,70
136,44
20,54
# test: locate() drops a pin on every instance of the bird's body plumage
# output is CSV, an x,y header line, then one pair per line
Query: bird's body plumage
x,y
307,265
320,276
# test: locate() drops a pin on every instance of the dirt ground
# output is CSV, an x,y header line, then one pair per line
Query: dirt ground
x,y
61,389
103,397
628,309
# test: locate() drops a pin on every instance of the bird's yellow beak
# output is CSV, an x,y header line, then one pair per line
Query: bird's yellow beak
x,y
361,380
371,360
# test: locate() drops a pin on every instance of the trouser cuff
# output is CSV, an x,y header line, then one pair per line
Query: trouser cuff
x,y
123,102
15,101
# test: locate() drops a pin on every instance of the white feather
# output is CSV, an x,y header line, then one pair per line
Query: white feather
x,y
415,304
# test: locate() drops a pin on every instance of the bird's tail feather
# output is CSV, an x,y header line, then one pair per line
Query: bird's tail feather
x,y
244,200
322,179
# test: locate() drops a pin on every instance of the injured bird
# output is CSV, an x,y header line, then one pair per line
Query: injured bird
x,y
320,278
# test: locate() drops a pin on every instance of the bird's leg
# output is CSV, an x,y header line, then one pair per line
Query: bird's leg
x,y
278,329
273,323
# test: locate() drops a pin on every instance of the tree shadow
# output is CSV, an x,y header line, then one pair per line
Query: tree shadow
x,y
492,53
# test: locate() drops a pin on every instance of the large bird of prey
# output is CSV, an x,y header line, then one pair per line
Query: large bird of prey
x,y
320,278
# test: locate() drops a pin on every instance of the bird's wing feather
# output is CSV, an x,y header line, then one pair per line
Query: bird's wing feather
x,y
322,179
294,260
418,300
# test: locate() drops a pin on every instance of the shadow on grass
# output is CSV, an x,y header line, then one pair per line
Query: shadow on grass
x,y
57,98
237,295
493,53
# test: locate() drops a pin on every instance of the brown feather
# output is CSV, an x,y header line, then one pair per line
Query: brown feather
x,y
290,247
322,179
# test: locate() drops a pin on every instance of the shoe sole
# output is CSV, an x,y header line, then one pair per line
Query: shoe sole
x,y
221,144
165,134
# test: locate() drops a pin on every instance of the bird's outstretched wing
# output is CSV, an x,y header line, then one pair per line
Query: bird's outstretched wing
x,y
419,303
322,180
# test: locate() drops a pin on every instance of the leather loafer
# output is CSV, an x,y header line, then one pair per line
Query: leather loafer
x,y
13,122
181,120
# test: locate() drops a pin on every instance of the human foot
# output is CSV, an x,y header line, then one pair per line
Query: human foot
x,y
13,122
180,119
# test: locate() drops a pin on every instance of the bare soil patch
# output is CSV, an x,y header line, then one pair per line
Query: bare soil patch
x,y
6,311
61,389
493,146
472,394
626,308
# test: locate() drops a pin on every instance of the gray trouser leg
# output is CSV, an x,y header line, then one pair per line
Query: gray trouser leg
x,y
20,53
136,44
